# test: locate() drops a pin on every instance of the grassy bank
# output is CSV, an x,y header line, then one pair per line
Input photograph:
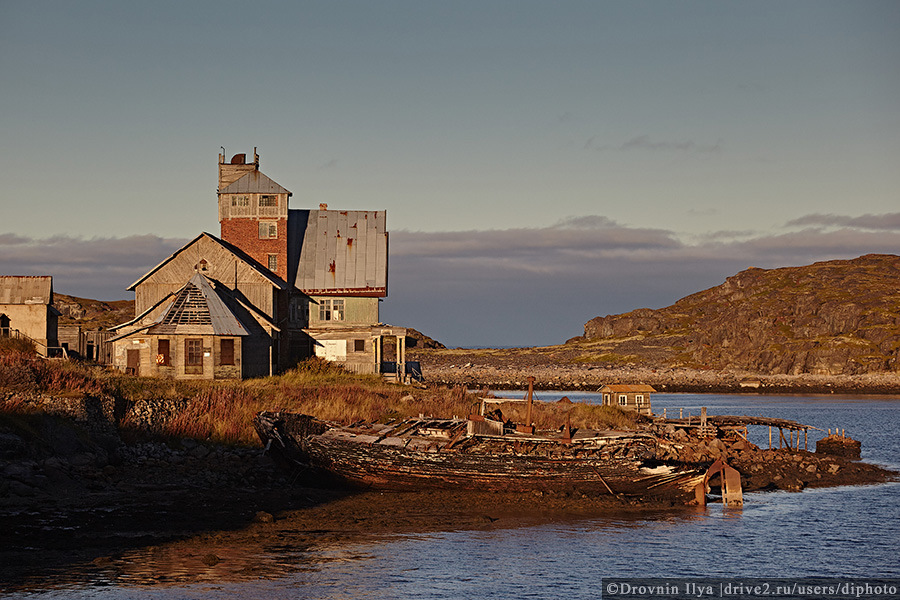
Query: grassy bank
x,y
222,411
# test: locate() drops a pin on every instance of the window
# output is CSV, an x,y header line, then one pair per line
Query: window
x,y
359,345
268,230
331,309
639,399
243,201
273,262
268,201
193,356
163,355
299,310
226,352
623,399
606,399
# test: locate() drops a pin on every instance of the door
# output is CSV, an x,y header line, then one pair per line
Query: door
x,y
133,362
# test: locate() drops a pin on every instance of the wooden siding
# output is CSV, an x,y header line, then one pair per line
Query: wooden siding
x,y
221,266
357,311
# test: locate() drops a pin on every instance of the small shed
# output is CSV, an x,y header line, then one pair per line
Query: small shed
x,y
631,397
27,311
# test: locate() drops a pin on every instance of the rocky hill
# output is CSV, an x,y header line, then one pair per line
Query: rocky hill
x,y
838,317
92,313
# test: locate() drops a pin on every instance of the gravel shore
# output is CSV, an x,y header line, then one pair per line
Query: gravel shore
x,y
510,370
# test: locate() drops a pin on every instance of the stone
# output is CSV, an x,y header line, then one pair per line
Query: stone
x,y
263,517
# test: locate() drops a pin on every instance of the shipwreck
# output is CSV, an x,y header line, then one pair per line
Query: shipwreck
x,y
484,453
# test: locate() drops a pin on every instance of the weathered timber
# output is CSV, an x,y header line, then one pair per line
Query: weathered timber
x,y
449,453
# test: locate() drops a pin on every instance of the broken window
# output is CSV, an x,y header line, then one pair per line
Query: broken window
x,y
331,309
266,200
268,230
163,354
298,310
193,356
226,351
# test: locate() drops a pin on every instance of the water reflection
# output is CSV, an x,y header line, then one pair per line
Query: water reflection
x,y
833,531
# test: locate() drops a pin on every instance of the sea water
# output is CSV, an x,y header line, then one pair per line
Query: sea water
x,y
831,532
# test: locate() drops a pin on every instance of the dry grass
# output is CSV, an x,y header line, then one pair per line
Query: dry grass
x,y
223,411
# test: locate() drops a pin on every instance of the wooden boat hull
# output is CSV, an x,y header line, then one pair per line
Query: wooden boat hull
x,y
622,465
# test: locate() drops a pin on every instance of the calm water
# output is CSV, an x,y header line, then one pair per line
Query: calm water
x,y
851,531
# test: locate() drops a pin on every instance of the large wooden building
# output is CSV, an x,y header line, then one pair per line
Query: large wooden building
x,y
279,285
27,311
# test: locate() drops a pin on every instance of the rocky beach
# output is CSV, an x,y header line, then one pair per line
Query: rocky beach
x,y
505,369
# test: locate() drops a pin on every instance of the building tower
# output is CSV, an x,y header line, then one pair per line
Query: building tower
x,y
253,212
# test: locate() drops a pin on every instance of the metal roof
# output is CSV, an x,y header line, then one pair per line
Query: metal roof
x,y
198,309
340,251
254,182
16,289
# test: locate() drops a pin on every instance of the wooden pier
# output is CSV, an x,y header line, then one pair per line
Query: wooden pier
x,y
706,426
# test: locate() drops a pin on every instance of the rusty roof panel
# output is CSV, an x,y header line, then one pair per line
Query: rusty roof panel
x,y
26,289
342,251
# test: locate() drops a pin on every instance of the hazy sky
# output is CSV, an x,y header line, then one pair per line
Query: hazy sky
x,y
541,163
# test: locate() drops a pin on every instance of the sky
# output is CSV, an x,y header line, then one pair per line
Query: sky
x,y
541,163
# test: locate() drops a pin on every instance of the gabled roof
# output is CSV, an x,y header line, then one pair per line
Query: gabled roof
x,y
627,389
26,289
254,182
237,252
198,309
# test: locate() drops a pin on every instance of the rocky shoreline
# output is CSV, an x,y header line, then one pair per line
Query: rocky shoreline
x,y
478,369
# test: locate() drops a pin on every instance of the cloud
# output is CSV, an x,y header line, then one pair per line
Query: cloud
x,y
11,239
887,221
555,247
539,286
524,286
646,143
94,267
643,142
